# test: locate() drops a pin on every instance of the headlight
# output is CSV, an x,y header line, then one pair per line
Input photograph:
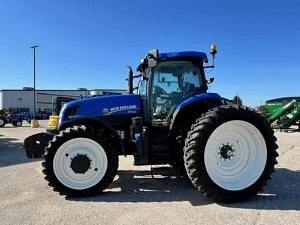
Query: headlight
x,y
69,112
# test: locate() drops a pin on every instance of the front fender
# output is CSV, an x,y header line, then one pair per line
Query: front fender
x,y
94,122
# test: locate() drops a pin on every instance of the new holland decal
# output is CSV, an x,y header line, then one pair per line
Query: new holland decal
x,y
128,108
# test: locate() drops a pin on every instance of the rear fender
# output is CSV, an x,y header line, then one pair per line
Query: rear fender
x,y
195,106
94,122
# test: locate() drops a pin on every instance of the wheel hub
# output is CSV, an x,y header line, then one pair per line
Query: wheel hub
x,y
226,152
80,164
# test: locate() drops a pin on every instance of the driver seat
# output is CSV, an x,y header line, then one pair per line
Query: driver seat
x,y
189,89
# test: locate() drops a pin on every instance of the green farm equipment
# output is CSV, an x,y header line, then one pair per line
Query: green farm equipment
x,y
283,116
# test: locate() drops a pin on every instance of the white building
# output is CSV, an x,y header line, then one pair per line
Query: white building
x,y
22,100
108,91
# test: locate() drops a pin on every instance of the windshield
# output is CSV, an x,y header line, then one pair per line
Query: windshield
x,y
173,82
177,76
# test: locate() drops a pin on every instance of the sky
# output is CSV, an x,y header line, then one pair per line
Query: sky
x,y
88,44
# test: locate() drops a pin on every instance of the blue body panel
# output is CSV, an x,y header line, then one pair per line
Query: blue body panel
x,y
111,109
182,54
18,117
199,97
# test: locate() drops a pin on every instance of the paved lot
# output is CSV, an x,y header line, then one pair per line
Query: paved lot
x,y
135,198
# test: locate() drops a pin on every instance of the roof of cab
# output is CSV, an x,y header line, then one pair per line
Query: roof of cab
x,y
183,54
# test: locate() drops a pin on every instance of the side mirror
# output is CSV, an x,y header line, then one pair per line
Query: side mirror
x,y
153,58
210,80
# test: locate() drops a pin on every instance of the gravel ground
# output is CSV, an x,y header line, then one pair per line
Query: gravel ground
x,y
135,197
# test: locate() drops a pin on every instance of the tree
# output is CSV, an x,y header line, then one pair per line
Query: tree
x,y
263,111
237,100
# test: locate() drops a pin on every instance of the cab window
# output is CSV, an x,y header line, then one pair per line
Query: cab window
x,y
172,83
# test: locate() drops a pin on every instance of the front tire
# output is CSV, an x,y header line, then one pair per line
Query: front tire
x,y
80,161
2,121
17,123
230,153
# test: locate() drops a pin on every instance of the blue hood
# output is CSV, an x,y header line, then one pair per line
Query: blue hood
x,y
110,108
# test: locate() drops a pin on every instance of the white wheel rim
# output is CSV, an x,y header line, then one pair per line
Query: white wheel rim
x,y
18,124
1,122
70,149
241,167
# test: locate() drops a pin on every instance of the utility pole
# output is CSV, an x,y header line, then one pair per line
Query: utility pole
x,y
34,121
261,102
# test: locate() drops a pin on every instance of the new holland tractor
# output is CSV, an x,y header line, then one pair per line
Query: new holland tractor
x,y
228,152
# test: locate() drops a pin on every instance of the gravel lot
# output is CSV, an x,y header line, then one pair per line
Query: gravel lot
x,y
135,197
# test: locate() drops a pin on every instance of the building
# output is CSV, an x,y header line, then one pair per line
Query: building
x,y
23,100
108,91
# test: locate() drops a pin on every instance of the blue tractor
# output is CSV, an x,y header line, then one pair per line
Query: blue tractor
x,y
228,152
15,119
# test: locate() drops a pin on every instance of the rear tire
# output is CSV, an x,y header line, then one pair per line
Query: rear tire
x,y
230,153
80,161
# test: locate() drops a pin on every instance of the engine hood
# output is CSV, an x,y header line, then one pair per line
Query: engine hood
x,y
110,108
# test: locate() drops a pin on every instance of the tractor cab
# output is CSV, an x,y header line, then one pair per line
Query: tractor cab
x,y
171,83
166,80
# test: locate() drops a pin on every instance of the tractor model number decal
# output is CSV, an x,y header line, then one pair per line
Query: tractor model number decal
x,y
130,108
